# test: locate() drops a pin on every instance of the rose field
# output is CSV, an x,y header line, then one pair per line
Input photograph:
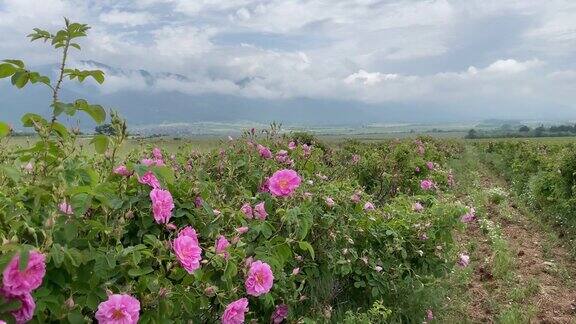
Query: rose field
x,y
274,226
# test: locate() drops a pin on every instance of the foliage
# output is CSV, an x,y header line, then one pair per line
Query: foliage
x,y
94,221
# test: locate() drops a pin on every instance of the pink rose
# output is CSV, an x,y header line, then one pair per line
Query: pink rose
x,y
427,184
221,245
280,313
329,202
284,182
15,282
306,149
417,169
295,271
264,152
118,309
430,165
162,205
27,307
150,179
198,202
122,170
66,208
282,156
265,186
469,216
242,230
355,159
368,206
355,197
187,250
247,210
463,260
157,153
417,207
234,313
292,145
259,280
260,211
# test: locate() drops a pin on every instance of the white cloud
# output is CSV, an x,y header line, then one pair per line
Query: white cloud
x,y
369,79
126,18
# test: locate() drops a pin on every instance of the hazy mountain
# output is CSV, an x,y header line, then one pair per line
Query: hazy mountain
x,y
144,107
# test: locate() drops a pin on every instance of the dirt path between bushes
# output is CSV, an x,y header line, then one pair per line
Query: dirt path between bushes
x,y
519,270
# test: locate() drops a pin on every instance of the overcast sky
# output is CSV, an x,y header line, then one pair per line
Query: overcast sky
x,y
516,51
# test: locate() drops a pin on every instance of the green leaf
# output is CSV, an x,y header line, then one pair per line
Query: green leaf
x,y
28,120
6,70
10,172
100,143
61,130
75,317
4,129
5,258
305,246
96,112
57,255
20,78
98,76
137,272
18,63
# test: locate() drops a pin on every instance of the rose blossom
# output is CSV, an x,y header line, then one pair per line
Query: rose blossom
x,y
242,230
247,210
463,260
282,156
157,153
417,207
260,211
427,184
295,271
307,149
265,186
198,202
329,202
260,279
355,159
264,152
469,216
162,205
122,170
187,250
150,179
118,309
284,182
221,245
234,313
16,282
280,313
368,206
355,197
292,145
378,268
430,165
27,306
66,208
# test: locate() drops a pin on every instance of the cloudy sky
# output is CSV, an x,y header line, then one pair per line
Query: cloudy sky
x,y
445,52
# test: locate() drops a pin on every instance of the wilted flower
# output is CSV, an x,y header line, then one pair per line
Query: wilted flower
x,y
329,202
162,205
368,206
259,280
122,170
463,260
306,149
260,211
295,271
156,153
417,207
284,182
66,208
118,309
198,202
280,313
355,159
469,216
430,165
234,313
378,268
29,167
247,210
242,230
355,197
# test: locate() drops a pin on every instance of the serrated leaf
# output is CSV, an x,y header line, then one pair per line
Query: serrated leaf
x,y
305,246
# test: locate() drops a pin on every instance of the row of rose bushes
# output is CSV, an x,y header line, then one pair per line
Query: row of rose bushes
x,y
543,174
260,228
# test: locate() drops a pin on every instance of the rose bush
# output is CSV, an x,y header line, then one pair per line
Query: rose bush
x,y
243,232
